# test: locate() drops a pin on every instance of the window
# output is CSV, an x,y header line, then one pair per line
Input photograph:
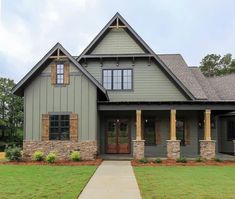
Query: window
x,y
59,127
149,132
59,73
180,134
231,130
118,79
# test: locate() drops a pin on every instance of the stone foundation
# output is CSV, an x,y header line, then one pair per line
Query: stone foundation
x,y
62,149
173,149
234,147
207,149
138,149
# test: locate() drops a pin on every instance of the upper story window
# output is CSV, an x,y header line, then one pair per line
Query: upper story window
x,y
117,79
59,127
60,74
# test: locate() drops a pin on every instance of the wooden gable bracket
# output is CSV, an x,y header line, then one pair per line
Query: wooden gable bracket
x,y
117,25
58,56
149,64
101,62
133,61
117,60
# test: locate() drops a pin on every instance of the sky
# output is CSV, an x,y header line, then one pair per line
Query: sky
x,y
30,28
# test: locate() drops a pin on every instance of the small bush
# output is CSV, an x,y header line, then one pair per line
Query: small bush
x,y
75,156
13,153
143,160
158,160
51,157
218,159
38,156
182,160
199,159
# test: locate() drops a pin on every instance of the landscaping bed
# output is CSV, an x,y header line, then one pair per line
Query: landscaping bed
x,y
188,163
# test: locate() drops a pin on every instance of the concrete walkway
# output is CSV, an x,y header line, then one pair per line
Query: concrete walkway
x,y
112,180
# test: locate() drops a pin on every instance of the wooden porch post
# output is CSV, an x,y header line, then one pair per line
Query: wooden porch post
x,y
207,124
138,125
173,125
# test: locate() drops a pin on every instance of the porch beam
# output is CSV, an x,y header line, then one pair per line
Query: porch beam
x,y
138,125
207,124
173,125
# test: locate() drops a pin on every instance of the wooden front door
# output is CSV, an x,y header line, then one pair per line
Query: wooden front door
x,y
118,136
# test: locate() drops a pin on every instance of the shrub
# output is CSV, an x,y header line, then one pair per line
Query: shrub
x,y
13,153
218,159
182,160
199,159
51,157
158,160
38,156
144,160
75,156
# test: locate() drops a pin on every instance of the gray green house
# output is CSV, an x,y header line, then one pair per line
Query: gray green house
x,y
120,97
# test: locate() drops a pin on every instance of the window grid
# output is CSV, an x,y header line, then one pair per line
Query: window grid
x,y
59,127
60,73
118,79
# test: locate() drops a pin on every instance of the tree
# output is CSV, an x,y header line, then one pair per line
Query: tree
x,y
11,106
215,65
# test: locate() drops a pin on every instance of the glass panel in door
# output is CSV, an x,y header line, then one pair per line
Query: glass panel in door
x,y
123,137
111,137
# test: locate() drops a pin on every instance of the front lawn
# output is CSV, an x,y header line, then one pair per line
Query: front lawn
x,y
186,182
34,182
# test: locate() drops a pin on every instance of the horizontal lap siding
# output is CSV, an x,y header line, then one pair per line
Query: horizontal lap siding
x,y
149,83
78,97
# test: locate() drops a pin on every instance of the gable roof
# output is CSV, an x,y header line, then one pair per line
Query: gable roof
x,y
18,89
145,46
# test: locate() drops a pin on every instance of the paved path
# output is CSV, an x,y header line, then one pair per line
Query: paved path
x,y
112,180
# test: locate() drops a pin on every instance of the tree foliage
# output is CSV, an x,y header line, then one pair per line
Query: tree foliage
x,y
11,106
216,65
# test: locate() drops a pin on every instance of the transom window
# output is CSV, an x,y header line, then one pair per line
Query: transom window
x,y
231,130
59,127
180,134
60,73
117,79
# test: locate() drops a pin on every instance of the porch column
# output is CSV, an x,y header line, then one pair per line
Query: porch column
x,y
173,145
207,146
138,143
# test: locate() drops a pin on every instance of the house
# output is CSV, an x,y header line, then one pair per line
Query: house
x,y
120,97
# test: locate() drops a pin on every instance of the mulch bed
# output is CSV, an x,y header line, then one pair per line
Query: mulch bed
x,y
96,162
189,163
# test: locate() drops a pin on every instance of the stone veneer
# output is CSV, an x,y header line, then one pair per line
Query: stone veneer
x,y
138,149
207,149
234,146
173,149
62,149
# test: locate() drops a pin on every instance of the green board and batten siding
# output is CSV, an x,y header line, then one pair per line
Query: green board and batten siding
x,y
149,82
117,41
79,97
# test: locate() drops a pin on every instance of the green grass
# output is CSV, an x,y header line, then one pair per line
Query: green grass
x,y
186,182
36,182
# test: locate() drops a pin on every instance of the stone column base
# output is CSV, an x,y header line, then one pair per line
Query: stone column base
x,y
88,149
234,146
138,149
207,149
173,149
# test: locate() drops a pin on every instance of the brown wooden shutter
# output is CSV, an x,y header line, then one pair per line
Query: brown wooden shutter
x,y
53,73
66,73
187,132
158,131
45,127
73,127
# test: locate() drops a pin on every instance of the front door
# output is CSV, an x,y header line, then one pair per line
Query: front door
x,y
118,136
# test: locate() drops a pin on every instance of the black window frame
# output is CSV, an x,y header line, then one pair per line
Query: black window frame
x,y
230,132
58,121
122,78
182,141
60,73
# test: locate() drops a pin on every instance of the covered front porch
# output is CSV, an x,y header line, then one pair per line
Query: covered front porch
x,y
169,133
